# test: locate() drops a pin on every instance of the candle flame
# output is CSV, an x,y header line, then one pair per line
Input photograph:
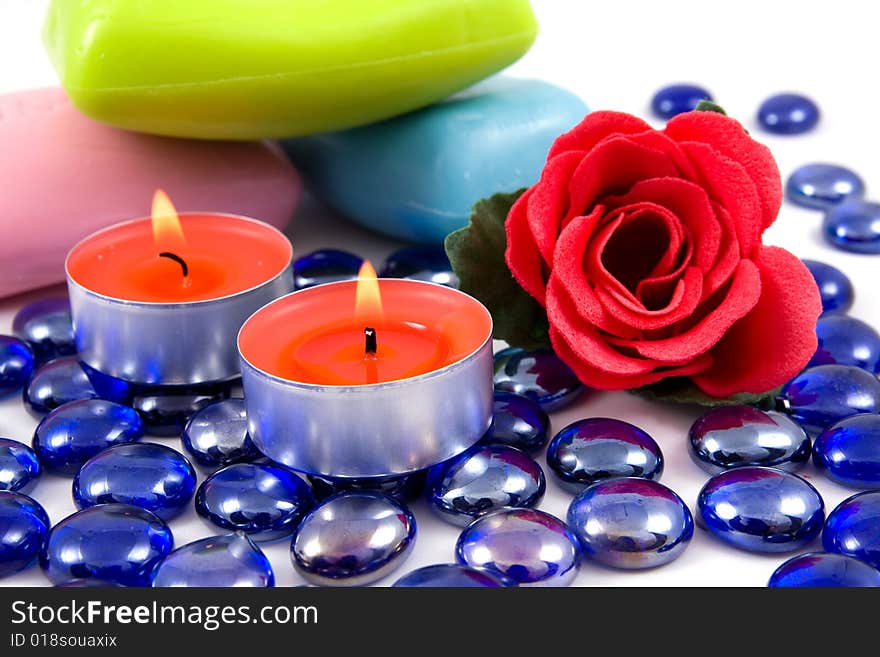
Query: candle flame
x,y
167,231
368,299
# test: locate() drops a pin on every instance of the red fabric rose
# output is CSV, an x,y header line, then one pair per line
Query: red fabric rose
x,y
644,246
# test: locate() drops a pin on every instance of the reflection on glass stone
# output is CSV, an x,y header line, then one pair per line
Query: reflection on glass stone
x,y
216,561
539,375
761,509
353,539
735,436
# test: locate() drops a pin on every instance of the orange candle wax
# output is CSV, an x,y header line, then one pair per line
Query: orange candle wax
x,y
224,255
317,336
160,300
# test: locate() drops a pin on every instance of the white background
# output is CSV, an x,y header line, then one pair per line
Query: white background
x,y
614,54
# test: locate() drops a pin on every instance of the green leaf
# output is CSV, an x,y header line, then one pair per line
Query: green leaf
x,y
681,390
709,106
477,256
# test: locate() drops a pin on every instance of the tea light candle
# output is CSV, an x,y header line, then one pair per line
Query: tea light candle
x,y
367,378
160,300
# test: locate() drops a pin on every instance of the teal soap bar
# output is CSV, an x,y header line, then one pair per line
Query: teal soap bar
x,y
416,177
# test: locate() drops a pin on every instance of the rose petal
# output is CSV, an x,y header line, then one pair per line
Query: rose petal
x,y
595,127
684,300
739,300
689,203
728,253
603,380
659,141
522,255
568,269
728,183
613,167
776,339
632,246
549,201
730,139
656,292
585,340
621,306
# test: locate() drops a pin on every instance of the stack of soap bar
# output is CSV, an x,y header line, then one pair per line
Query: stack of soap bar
x,y
227,69
65,176
417,176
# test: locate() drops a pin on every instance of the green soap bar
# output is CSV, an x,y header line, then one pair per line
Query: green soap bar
x,y
228,69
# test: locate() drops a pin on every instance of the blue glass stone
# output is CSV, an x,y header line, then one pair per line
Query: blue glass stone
x,y
16,364
107,387
145,475
19,466
86,584
449,576
217,435
65,380
853,528
352,539
73,433
420,263
822,186
527,546
264,501
761,509
849,451
404,488
728,437
631,523
517,421
676,99
788,114
823,569
47,327
824,395
166,410
225,561
23,528
482,479
600,448
539,375
835,289
116,543
325,266
845,340
854,226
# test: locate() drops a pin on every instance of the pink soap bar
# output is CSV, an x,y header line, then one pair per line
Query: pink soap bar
x,y
64,176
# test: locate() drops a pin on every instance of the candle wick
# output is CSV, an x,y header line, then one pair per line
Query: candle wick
x,y
176,258
370,343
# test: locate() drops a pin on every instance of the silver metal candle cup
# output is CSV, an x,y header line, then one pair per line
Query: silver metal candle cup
x,y
374,430
167,343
